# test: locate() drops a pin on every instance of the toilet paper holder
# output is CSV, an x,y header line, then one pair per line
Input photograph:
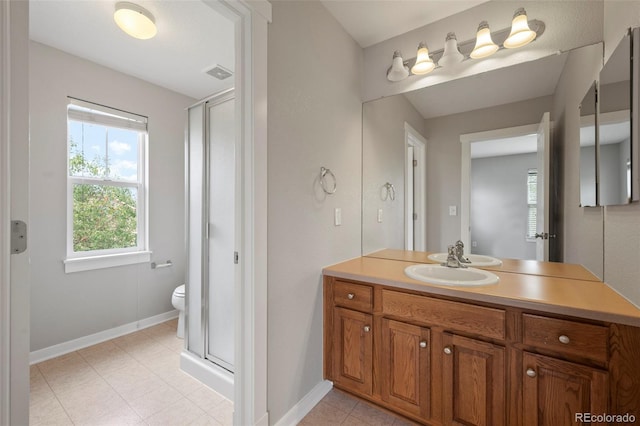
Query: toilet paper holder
x,y
154,265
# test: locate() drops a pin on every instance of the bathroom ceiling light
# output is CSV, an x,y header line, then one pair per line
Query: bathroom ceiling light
x,y
135,20
521,34
398,70
484,44
451,53
424,64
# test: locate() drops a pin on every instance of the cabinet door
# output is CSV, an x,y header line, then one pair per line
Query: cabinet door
x,y
556,391
405,366
352,350
473,382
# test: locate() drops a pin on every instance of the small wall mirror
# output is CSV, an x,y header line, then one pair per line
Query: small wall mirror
x,y
588,161
614,127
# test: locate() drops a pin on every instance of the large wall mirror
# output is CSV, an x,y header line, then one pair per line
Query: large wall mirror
x,y
614,127
399,206
588,161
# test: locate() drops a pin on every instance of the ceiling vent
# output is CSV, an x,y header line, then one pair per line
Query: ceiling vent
x,y
219,72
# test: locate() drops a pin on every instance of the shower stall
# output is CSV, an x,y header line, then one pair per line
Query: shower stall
x,y
212,240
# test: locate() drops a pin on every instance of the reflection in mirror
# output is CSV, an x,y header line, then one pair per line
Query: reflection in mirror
x,y
614,127
588,185
393,153
442,112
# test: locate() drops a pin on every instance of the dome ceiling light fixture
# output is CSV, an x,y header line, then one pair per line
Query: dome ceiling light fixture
x,y
521,32
135,20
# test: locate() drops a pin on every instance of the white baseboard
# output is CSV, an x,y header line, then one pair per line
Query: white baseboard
x,y
217,378
306,404
264,421
102,336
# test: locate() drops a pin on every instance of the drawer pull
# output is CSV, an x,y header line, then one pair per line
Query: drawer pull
x,y
564,339
447,350
350,296
423,344
366,329
531,372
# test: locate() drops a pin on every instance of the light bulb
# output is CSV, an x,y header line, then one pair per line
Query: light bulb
x,y
521,34
424,64
135,20
451,53
484,44
398,70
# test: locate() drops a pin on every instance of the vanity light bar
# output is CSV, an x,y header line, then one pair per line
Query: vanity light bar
x,y
466,47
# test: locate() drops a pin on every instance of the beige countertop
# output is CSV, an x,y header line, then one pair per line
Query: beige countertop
x,y
549,269
587,299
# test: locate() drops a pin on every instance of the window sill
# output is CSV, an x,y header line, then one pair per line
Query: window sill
x,y
79,264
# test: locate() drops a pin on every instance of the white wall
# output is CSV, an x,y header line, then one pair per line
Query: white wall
x,y
499,209
444,157
383,160
315,119
69,306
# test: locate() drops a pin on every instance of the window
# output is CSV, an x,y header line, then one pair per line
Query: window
x,y
106,201
532,199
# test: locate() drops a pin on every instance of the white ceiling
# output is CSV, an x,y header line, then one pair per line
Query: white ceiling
x,y
192,38
370,22
506,146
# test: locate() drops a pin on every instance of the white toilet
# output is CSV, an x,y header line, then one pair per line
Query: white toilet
x,y
177,300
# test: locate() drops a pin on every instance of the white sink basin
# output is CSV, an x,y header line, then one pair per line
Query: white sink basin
x,y
476,259
442,275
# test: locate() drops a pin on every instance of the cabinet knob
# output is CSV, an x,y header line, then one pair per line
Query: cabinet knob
x,y
447,350
531,372
423,344
564,339
350,296
366,329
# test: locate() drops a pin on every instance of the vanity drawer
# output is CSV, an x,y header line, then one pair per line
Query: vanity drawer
x,y
354,296
454,316
564,336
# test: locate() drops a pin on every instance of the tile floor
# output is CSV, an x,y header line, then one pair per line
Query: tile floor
x,y
136,380
341,408
131,380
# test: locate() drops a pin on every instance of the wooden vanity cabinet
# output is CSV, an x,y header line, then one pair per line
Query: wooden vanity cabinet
x,y
473,385
445,361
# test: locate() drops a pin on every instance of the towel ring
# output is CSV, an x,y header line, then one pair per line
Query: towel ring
x,y
323,180
390,191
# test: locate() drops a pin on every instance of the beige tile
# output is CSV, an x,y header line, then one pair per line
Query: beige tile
x,y
372,415
39,388
340,400
205,420
65,361
181,381
110,359
354,421
171,342
106,346
223,412
401,421
206,398
166,361
91,402
133,381
324,414
34,371
122,417
68,378
146,350
182,412
155,401
160,330
48,411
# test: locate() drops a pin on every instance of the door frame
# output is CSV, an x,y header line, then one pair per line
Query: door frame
x,y
14,205
413,139
250,379
465,169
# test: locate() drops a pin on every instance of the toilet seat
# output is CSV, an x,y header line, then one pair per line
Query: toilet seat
x,y
179,291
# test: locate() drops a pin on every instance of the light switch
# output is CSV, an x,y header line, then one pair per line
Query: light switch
x,y
453,210
379,215
337,216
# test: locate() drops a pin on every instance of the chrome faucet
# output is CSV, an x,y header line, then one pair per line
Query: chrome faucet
x,y
459,252
452,259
